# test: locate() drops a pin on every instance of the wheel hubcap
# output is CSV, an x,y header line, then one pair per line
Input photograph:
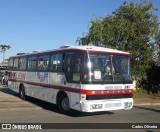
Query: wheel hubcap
x,y
65,104
22,94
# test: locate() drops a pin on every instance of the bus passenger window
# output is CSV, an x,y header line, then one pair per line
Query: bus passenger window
x,y
32,63
15,64
56,62
22,63
10,65
43,62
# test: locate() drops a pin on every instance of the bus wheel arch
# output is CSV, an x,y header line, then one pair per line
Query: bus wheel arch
x,y
63,102
22,92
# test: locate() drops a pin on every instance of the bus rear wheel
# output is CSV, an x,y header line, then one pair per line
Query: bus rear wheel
x,y
63,104
22,93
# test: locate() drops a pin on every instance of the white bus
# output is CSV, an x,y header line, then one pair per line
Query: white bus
x,y
83,78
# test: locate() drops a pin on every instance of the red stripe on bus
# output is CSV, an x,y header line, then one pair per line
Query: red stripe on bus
x,y
74,90
78,90
106,92
69,89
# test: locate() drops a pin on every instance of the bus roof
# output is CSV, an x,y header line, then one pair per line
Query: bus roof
x,y
97,49
81,48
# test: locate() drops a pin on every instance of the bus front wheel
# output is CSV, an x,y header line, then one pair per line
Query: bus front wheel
x,y
22,93
63,104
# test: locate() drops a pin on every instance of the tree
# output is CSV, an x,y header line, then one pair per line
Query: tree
x,y
4,48
157,52
133,27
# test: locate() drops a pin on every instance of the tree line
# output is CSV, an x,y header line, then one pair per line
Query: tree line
x,y
134,28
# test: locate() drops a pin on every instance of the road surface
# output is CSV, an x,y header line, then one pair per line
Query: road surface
x,y
15,110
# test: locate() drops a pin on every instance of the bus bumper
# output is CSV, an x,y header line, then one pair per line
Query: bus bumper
x,y
107,105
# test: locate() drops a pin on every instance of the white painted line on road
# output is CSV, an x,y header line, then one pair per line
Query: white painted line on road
x,y
36,108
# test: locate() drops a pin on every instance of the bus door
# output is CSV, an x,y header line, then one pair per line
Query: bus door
x,y
73,67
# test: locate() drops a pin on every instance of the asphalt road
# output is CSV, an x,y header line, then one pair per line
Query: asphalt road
x,y
15,110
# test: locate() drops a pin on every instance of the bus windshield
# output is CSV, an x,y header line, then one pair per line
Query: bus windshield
x,y
107,68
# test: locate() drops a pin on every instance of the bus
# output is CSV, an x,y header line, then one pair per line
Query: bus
x,y
83,78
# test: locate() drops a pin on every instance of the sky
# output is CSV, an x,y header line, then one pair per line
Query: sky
x,y
31,25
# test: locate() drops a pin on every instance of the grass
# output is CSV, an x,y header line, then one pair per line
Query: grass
x,y
141,94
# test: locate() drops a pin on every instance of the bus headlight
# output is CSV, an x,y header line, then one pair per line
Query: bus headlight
x,y
96,106
127,105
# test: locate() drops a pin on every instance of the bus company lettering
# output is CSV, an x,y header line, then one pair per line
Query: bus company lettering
x,y
12,75
21,76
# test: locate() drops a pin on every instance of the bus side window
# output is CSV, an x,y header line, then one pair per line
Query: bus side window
x,y
15,64
43,63
22,63
10,67
56,62
31,64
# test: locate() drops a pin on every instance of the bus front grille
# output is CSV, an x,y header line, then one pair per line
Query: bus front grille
x,y
113,105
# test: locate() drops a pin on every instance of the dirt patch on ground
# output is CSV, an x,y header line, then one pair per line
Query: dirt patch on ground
x,y
144,98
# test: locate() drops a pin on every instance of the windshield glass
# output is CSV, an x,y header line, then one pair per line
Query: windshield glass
x,y
107,68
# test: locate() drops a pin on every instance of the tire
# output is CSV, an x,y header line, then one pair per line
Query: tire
x,y
22,93
63,104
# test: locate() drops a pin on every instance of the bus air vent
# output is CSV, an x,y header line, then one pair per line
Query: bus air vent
x,y
65,46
